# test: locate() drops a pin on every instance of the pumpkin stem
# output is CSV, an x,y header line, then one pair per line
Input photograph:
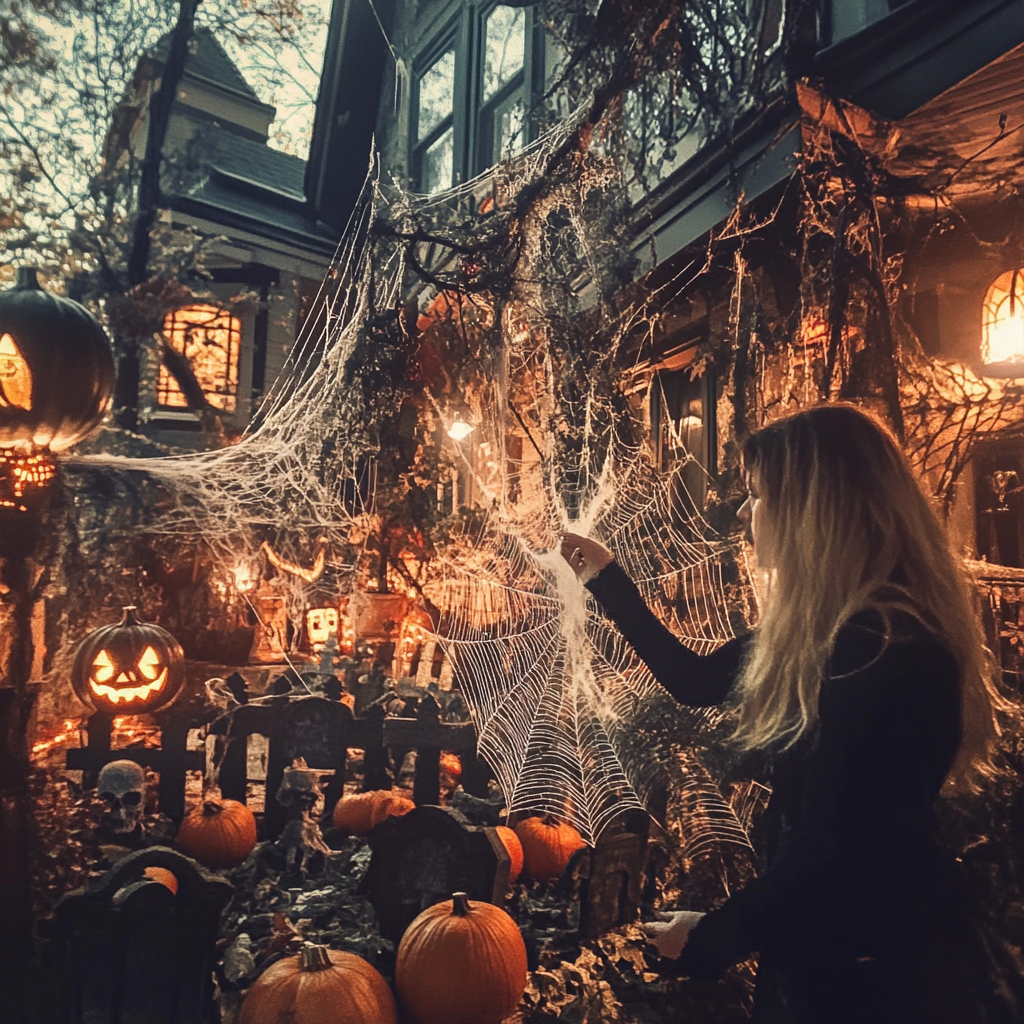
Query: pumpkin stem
x,y
314,958
460,904
551,821
128,616
211,807
27,278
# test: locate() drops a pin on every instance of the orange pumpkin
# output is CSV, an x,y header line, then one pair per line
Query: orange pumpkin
x,y
515,851
220,834
390,807
319,986
548,844
488,950
164,877
451,766
354,814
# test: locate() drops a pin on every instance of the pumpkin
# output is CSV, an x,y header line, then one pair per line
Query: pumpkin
x,y
164,877
451,766
486,946
548,844
319,986
392,806
130,667
56,368
354,814
515,851
220,834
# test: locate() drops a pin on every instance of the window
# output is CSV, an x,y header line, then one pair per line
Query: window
x,y
502,117
682,428
209,337
1002,320
472,95
435,129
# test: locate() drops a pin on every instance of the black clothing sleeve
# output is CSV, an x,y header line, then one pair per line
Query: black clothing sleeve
x,y
690,678
857,794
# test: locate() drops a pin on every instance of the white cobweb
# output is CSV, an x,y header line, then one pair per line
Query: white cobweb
x,y
552,686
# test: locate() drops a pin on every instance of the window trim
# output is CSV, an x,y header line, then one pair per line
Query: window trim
x,y
463,32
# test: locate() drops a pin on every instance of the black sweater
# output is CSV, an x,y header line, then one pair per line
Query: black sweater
x,y
854,884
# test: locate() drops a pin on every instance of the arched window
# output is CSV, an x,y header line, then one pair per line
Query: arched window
x,y
1002,320
210,339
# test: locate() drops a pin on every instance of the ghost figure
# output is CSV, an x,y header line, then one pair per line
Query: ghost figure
x,y
122,784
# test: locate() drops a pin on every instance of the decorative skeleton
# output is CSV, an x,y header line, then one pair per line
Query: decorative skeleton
x,y
122,784
299,792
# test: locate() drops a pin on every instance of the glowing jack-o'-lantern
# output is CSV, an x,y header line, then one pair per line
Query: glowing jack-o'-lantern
x,y
132,667
321,623
56,368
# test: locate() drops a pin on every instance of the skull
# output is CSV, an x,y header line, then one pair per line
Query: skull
x,y
122,785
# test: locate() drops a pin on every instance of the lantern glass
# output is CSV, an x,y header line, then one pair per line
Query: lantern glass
x,y
1002,325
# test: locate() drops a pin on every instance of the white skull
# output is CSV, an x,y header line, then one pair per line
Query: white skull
x,y
122,785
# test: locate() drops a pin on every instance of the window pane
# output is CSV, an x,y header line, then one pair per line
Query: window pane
x,y
504,47
437,165
437,93
209,338
508,128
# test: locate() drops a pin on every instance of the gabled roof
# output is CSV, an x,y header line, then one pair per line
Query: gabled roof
x,y
209,61
256,163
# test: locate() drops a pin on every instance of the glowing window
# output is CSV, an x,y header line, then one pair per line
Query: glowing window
x,y
1002,320
209,338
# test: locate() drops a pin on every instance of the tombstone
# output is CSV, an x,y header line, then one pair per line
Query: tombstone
x,y
313,728
129,951
611,875
421,858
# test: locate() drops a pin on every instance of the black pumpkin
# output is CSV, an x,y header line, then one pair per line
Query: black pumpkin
x,y
56,369
131,667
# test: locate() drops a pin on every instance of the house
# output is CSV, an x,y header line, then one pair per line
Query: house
x,y
272,249
447,89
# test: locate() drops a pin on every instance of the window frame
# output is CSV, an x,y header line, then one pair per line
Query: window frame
x,y
463,32
236,334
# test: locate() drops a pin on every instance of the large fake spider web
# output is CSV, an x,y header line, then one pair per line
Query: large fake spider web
x,y
555,687
552,686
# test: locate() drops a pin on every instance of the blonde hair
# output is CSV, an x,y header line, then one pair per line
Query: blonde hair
x,y
849,529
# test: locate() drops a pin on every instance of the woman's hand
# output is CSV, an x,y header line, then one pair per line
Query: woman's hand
x,y
671,933
586,557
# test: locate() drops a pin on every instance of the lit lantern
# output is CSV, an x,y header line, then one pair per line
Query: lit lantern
x,y
131,667
321,624
1002,320
56,369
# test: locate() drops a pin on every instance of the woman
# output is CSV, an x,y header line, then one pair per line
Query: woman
x,y
868,685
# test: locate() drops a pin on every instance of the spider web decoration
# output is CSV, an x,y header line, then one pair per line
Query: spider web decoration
x,y
554,687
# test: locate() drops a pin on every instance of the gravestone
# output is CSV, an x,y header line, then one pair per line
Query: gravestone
x,y
129,951
421,858
313,728
611,875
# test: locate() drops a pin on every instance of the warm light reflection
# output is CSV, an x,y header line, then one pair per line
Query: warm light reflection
x,y
245,579
41,747
1002,324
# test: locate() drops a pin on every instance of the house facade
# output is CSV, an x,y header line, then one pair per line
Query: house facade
x,y
265,251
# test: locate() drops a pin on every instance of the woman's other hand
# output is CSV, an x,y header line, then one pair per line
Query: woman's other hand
x,y
586,557
671,933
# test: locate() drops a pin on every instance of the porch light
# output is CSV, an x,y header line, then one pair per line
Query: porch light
x,y
460,428
1002,322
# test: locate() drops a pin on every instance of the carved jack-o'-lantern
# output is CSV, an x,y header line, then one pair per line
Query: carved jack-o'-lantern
x,y
56,368
131,667
321,623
